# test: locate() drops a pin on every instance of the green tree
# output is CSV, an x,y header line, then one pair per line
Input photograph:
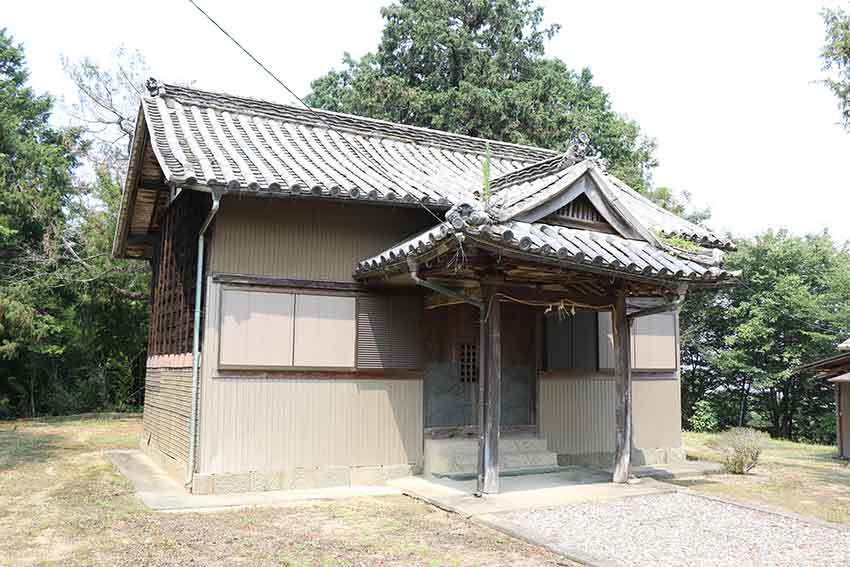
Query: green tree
x,y
836,58
478,67
36,192
72,319
743,343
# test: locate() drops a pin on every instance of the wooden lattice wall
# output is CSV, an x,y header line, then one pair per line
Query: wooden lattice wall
x,y
173,275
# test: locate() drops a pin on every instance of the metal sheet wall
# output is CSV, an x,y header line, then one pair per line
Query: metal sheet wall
x,y
306,239
274,423
576,412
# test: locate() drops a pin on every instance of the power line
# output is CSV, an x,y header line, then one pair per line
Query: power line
x,y
378,167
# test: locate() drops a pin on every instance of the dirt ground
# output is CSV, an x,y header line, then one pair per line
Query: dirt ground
x,y
796,477
62,503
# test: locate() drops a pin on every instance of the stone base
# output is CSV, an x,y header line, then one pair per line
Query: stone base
x,y
459,455
297,479
657,456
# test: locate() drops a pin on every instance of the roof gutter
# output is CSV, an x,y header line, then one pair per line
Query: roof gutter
x,y
414,275
196,335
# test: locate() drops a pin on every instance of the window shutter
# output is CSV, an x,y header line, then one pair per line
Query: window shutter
x,y
388,331
373,332
406,336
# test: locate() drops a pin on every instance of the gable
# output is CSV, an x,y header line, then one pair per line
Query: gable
x,y
579,213
582,204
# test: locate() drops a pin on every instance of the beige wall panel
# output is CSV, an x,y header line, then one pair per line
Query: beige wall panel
x,y
654,342
325,330
304,239
256,328
657,413
576,413
258,424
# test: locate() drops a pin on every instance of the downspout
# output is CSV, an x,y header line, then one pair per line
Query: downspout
x,y
196,335
414,275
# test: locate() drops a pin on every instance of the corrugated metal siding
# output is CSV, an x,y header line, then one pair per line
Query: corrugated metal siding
x,y
305,239
168,402
267,424
576,413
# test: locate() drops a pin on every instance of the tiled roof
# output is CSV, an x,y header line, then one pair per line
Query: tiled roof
x,y
594,251
203,138
522,190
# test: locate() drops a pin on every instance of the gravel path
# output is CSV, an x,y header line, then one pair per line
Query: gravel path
x,y
679,529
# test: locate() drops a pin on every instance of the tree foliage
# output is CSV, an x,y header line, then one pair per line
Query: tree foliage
x,y
741,345
72,319
836,58
478,67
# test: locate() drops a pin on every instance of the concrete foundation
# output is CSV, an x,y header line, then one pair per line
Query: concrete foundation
x,y
640,457
301,478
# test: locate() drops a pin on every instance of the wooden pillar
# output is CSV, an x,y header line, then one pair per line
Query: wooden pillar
x,y
839,426
623,389
490,392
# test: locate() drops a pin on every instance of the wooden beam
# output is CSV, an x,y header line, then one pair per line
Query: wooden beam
x,y
490,391
622,388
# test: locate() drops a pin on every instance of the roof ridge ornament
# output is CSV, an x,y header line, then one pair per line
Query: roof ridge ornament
x,y
581,149
155,87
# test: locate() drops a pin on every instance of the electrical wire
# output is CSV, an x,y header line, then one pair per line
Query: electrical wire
x,y
375,164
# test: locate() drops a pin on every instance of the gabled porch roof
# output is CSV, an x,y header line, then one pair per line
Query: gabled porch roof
x,y
517,223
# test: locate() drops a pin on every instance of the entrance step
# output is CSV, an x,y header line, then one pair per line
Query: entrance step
x,y
526,454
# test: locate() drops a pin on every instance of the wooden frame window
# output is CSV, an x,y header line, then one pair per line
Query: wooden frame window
x,y
272,329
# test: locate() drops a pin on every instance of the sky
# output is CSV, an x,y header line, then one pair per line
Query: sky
x,y
728,89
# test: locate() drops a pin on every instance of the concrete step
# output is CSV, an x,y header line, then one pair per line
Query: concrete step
x,y
459,456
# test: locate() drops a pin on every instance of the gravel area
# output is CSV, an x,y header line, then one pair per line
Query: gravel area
x,y
679,529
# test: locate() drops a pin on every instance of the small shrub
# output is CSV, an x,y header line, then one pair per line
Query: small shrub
x,y
704,419
741,448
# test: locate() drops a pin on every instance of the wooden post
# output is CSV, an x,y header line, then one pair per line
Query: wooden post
x,y
623,389
490,392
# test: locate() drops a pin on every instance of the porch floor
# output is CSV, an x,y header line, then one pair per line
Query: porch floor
x,y
568,486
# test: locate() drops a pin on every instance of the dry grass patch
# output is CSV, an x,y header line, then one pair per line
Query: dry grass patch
x,y
797,477
62,503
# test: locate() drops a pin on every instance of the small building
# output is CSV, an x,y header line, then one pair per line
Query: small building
x,y
836,370
340,300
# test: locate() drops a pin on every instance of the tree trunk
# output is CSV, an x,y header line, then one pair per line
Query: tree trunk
x,y
745,398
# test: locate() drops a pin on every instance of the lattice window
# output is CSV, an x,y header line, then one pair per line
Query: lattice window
x,y
467,357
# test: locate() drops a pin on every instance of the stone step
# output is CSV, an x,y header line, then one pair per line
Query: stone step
x,y
460,455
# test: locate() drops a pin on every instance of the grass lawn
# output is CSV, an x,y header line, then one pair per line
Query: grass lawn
x,y
796,477
62,503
